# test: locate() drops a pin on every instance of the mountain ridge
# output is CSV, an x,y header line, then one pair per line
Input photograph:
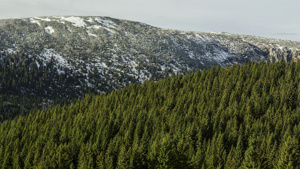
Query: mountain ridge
x,y
69,56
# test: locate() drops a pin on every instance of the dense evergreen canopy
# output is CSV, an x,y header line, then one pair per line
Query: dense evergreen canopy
x,y
243,116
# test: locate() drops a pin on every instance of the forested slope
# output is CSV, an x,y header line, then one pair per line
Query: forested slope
x,y
237,117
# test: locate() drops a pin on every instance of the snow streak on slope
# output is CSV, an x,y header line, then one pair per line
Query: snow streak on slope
x,y
34,21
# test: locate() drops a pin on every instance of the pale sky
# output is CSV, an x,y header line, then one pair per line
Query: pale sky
x,y
268,18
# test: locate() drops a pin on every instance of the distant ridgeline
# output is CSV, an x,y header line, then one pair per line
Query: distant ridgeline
x,y
58,59
241,116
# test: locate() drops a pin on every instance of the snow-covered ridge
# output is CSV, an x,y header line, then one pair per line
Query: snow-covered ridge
x,y
76,21
106,52
79,22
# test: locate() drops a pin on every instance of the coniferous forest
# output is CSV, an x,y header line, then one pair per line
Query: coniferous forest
x,y
241,116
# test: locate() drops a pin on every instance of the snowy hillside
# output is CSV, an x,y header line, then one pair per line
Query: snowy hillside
x,y
69,56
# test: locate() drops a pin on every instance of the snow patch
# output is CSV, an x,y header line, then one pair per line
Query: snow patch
x,y
163,67
68,28
47,54
60,71
98,27
11,50
90,20
109,31
95,27
191,55
49,29
34,21
37,64
90,34
106,23
199,38
221,55
76,21
218,33
104,65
